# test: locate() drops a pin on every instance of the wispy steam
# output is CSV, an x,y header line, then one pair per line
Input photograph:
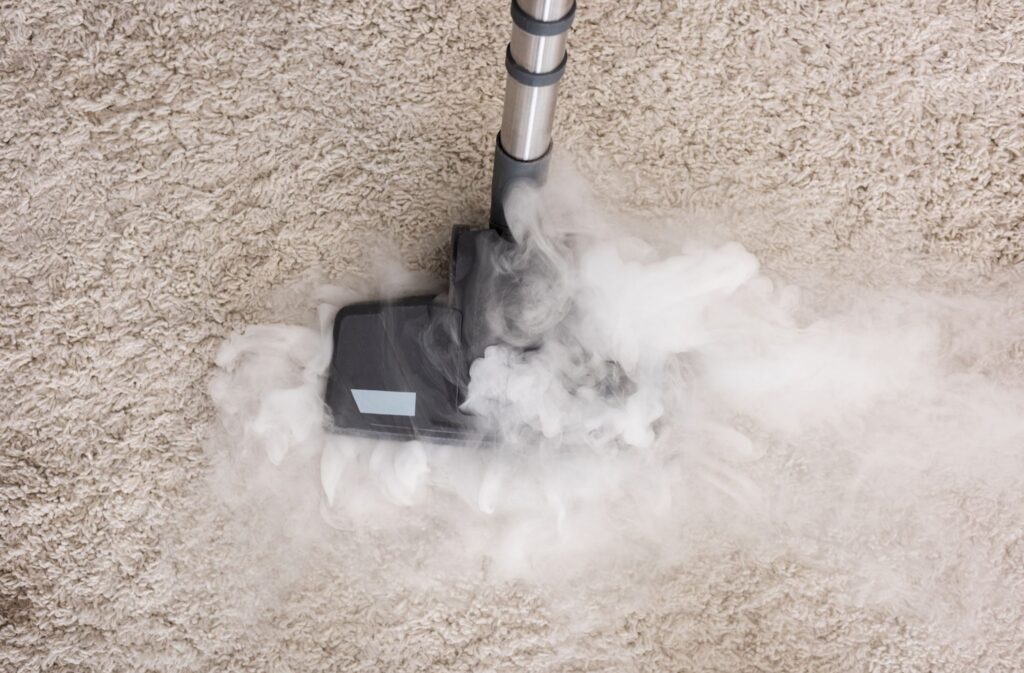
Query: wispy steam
x,y
658,400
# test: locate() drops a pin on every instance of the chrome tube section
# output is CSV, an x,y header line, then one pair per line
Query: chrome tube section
x,y
537,53
546,10
527,119
530,109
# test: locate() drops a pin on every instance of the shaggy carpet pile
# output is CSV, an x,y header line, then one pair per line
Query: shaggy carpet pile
x,y
164,166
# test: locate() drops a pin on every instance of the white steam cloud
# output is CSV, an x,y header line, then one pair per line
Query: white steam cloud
x,y
675,399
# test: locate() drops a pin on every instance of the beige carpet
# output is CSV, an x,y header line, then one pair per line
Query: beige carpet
x,y
165,166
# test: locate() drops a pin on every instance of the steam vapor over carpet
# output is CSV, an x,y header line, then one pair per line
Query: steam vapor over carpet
x,y
164,167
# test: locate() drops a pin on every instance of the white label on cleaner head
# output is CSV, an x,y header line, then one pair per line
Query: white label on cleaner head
x,y
386,402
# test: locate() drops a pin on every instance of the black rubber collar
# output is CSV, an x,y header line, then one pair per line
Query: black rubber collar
x,y
533,26
537,79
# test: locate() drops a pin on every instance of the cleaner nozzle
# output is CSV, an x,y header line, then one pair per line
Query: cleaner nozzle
x,y
399,368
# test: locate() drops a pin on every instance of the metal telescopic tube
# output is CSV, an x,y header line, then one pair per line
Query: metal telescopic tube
x,y
530,110
535,60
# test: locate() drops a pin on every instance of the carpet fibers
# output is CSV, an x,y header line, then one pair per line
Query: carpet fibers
x,y
165,166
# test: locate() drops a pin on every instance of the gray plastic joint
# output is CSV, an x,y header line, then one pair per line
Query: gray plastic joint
x,y
509,171
528,24
536,79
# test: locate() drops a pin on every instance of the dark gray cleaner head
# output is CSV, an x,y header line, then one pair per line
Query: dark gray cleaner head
x,y
399,367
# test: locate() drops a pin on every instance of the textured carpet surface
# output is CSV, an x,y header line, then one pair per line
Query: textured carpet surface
x,y
164,166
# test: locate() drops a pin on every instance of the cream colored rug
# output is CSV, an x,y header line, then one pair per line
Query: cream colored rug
x,y
165,167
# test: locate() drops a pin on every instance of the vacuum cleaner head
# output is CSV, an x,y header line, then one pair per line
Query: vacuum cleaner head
x,y
399,368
